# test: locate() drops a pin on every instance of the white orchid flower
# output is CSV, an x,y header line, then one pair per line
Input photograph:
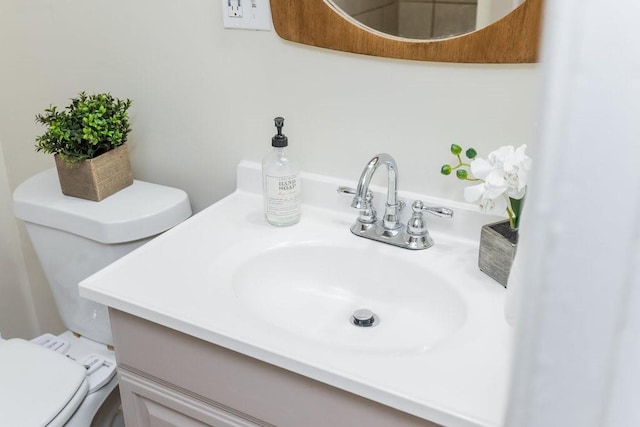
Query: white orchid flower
x,y
516,172
505,171
488,198
501,177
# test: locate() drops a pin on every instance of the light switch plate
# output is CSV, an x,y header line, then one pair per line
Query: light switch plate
x,y
247,14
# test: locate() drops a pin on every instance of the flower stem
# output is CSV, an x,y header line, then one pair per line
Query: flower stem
x,y
512,218
514,208
460,162
459,165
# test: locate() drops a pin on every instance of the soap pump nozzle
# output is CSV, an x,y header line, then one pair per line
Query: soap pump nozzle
x,y
280,139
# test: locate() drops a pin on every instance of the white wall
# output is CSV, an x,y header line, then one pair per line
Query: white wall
x,y
205,97
17,313
578,339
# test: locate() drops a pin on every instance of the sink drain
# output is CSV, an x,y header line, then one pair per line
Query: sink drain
x,y
364,318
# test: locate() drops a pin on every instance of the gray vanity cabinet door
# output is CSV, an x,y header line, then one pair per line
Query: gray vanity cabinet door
x,y
148,404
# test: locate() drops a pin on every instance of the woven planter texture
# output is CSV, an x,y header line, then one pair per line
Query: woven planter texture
x,y
98,178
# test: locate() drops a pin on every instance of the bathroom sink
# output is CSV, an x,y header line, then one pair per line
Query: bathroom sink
x,y
286,296
312,290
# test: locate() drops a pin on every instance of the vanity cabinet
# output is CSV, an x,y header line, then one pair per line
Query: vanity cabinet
x,y
168,378
149,403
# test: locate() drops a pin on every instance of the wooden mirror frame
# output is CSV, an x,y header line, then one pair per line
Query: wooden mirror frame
x,y
512,39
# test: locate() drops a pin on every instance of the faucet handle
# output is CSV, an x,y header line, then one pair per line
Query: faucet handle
x,y
368,212
416,225
351,190
346,190
442,212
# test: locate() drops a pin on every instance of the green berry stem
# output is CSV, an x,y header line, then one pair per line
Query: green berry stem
x,y
459,166
461,163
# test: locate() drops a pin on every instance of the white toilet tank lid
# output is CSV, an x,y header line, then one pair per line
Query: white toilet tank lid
x,y
138,211
39,387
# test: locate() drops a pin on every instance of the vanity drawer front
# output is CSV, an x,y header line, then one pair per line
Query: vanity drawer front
x,y
249,386
147,404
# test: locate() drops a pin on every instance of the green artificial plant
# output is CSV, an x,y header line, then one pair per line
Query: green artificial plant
x,y
90,126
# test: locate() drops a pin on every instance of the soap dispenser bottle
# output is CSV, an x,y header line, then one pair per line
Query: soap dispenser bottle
x,y
281,182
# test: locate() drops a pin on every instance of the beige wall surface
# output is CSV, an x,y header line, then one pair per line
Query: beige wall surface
x,y
17,312
205,97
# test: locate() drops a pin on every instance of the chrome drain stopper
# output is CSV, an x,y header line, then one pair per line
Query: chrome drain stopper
x,y
364,318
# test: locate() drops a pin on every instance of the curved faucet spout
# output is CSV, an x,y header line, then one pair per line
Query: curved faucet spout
x,y
389,229
390,220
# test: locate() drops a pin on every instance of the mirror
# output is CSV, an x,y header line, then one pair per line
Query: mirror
x,y
426,19
511,39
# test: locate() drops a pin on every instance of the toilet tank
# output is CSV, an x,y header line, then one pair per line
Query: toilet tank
x,y
74,238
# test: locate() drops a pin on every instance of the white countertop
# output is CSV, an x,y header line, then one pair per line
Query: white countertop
x,y
178,281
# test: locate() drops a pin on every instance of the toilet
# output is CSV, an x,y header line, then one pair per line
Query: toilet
x,y
69,379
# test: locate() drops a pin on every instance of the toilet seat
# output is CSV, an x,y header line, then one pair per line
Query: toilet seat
x,y
39,387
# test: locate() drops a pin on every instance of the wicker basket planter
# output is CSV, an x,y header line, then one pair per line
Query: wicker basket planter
x,y
98,178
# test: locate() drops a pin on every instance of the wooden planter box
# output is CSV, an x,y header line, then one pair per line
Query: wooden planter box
x,y
98,178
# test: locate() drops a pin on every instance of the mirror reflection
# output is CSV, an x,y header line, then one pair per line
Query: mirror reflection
x,y
426,19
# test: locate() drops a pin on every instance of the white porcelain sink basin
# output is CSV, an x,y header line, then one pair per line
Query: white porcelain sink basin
x,y
312,291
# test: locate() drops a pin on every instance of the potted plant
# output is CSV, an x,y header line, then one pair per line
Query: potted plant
x,y
500,185
88,140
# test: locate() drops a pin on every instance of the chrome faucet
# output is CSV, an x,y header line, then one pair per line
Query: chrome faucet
x,y
389,230
390,220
